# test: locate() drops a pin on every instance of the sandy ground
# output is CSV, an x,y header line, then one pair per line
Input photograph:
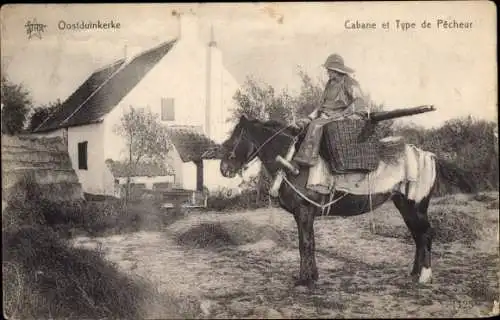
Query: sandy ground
x,y
361,274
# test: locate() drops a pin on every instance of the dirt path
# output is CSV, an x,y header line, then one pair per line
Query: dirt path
x,y
361,274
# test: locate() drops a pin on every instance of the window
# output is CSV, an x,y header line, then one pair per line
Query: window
x,y
82,155
167,109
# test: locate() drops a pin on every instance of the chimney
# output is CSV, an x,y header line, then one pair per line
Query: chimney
x,y
212,42
188,26
213,87
208,107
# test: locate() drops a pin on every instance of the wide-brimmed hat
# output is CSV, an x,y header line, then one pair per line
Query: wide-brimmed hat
x,y
336,62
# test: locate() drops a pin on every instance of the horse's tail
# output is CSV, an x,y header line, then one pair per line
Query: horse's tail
x,y
449,174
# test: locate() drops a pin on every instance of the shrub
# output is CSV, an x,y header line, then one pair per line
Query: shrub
x,y
248,199
92,217
18,214
449,225
452,200
454,225
46,278
484,197
229,233
493,205
254,195
466,142
62,216
221,201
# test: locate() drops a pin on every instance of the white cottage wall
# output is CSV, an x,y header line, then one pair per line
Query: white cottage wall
x,y
92,179
188,178
184,75
214,180
178,167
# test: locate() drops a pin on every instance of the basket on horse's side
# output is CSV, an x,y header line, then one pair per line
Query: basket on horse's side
x,y
346,147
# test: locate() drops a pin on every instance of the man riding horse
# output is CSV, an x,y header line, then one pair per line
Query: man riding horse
x,y
342,99
408,175
342,96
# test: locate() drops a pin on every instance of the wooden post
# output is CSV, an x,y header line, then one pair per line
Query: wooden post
x,y
199,175
495,139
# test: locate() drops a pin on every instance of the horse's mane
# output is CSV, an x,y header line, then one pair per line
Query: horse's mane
x,y
273,124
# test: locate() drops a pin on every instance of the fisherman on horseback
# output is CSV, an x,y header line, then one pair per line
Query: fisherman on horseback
x,y
342,99
401,172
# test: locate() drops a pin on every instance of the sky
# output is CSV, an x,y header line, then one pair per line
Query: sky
x,y
453,69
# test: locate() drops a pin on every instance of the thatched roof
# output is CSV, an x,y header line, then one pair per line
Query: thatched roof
x,y
44,162
104,89
191,144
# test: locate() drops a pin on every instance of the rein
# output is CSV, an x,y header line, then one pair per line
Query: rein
x,y
322,206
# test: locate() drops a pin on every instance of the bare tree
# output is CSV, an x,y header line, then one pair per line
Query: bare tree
x,y
146,139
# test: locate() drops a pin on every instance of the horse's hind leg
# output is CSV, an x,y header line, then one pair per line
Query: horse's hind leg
x,y
427,234
408,214
416,219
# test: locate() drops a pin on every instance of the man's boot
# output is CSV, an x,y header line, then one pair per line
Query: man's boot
x,y
308,154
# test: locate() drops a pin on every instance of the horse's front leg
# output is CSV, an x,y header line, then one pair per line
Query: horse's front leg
x,y
305,222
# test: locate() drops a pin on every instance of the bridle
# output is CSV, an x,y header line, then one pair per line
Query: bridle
x,y
252,155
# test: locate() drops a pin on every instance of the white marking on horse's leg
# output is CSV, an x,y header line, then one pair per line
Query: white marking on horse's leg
x,y
425,275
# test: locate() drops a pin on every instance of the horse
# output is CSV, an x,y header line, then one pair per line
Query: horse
x,y
265,140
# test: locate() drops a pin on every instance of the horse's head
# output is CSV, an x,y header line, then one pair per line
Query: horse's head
x,y
236,150
253,138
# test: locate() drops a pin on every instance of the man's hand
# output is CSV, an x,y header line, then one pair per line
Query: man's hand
x,y
351,112
302,123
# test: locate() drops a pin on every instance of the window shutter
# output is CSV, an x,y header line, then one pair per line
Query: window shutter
x,y
167,109
82,155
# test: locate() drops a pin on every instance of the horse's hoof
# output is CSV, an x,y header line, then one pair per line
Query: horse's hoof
x,y
425,276
309,283
414,278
